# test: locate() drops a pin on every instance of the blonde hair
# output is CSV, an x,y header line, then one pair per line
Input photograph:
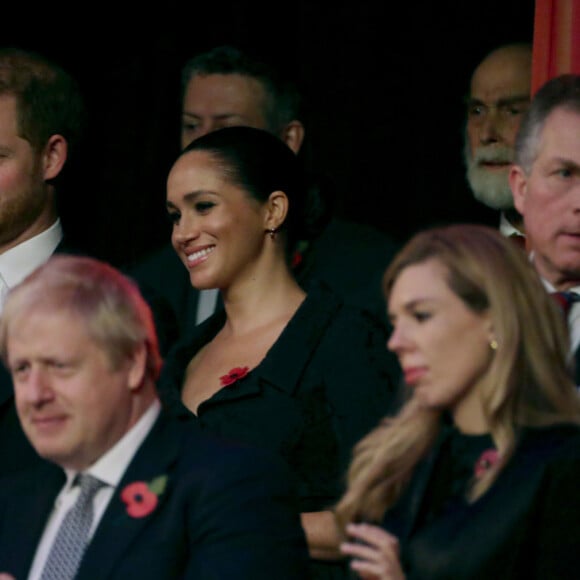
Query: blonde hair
x,y
530,383
116,315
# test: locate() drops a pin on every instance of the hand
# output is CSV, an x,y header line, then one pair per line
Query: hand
x,y
5,576
374,552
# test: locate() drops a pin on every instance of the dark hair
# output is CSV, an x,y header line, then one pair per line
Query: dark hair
x,y
284,101
261,163
49,101
561,92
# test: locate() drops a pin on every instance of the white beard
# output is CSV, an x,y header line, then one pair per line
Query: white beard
x,y
490,187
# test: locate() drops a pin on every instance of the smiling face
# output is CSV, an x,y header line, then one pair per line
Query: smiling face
x,y
549,199
218,229
72,404
441,344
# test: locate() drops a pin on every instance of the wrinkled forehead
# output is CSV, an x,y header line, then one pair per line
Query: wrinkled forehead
x,y
501,77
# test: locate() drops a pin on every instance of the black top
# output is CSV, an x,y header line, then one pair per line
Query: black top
x,y
527,525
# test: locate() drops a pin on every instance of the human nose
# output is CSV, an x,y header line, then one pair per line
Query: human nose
x,y
490,127
187,229
35,388
397,340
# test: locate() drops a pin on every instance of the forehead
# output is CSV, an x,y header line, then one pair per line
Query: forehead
x,y
502,75
49,329
561,135
420,282
195,167
221,94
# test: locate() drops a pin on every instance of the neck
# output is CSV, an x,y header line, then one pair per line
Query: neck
x,y
257,303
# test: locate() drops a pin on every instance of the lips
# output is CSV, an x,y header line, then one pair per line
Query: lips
x,y
48,423
199,256
414,374
494,164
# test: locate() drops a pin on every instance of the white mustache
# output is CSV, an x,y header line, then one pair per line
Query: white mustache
x,y
493,155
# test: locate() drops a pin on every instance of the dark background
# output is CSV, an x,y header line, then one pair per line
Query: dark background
x,y
385,83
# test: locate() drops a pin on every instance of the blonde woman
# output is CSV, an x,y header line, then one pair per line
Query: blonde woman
x,y
477,476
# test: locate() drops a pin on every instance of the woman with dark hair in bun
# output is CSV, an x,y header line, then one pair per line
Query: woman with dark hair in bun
x,y
300,373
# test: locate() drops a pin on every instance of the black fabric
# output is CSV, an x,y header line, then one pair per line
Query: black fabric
x,y
226,511
527,525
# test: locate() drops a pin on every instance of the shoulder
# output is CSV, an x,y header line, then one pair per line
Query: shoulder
x,y
345,321
551,444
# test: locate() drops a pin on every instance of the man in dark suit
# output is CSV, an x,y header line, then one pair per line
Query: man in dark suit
x,y
42,119
227,87
168,501
545,182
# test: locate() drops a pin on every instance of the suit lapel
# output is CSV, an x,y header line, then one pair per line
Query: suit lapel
x,y
32,499
577,367
156,457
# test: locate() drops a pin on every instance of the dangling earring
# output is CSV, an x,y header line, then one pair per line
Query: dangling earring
x,y
272,233
493,344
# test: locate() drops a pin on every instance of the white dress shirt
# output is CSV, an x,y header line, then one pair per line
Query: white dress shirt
x,y
16,263
109,468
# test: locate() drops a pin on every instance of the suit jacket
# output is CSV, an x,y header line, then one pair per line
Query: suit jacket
x,y
527,525
227,512
576,370
16,453
350,258
326,381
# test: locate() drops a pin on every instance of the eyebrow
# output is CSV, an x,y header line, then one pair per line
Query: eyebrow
x,y
499,103
191,196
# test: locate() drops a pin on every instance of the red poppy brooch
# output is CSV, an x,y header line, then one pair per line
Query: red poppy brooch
x,y
142,497
234,375
485,461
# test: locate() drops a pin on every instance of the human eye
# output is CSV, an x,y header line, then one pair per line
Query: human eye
x,y
476,110
564,172
19,369
189,125
173,217
421,315
513,109
204,207
61,367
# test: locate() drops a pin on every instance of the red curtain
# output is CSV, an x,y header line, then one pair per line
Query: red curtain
x,y
556,40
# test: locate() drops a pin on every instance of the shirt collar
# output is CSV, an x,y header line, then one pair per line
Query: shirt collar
x,y
111,466
507,228
16,263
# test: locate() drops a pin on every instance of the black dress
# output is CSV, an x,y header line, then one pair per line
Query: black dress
x,y
322,386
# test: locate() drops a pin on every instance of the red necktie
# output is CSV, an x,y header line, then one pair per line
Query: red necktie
x,y
565,301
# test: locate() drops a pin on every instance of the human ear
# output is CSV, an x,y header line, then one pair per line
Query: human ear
x,y
277,209
293,135
137,368
54,156
518,184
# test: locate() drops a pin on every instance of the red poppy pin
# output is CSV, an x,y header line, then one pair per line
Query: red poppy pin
x,y
486,460
142,497
296,259
234,375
